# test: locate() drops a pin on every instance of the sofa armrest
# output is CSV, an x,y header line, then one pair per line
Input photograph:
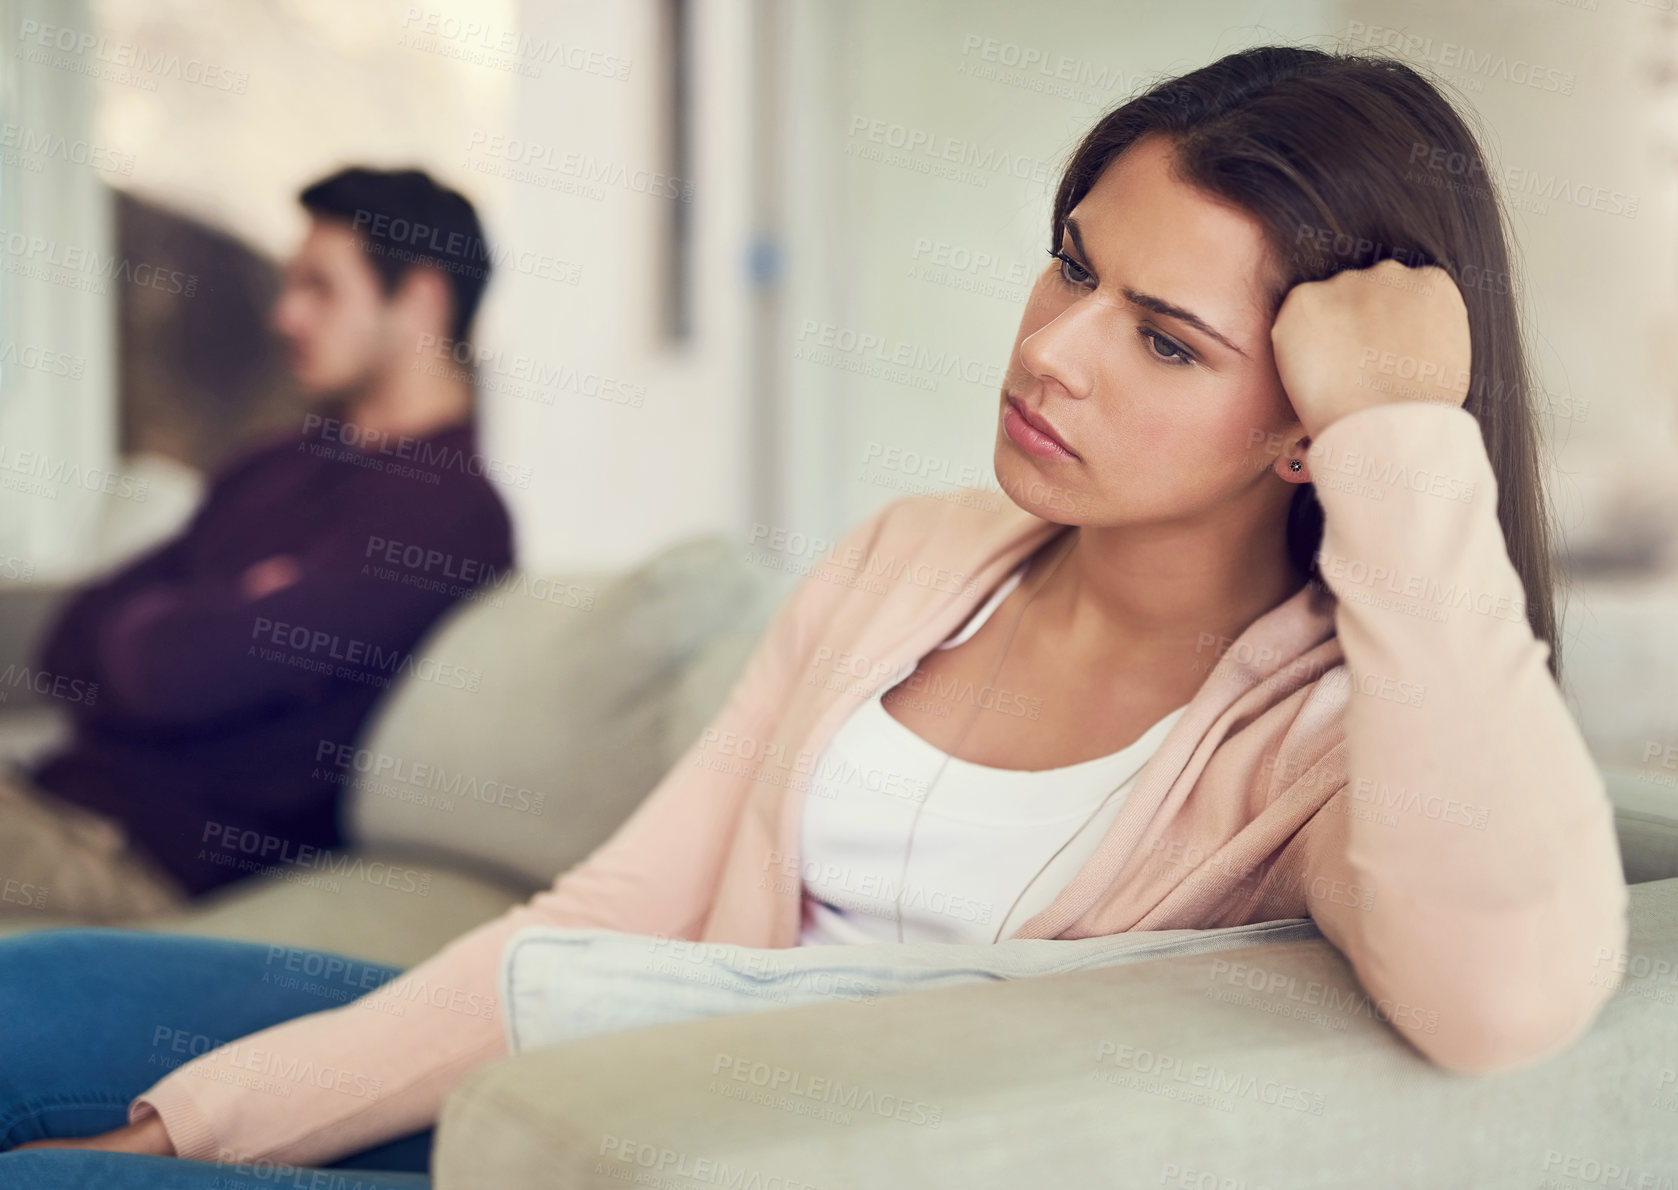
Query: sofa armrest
x,y
30,725
1646,820
1259,1067
25,612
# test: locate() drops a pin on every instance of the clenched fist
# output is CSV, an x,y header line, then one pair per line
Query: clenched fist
x,y
1367,337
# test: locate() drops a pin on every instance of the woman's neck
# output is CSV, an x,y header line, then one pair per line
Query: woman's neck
x,y
1143,591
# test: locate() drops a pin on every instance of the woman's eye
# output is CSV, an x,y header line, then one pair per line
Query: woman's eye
x,y
1070,270
1172,354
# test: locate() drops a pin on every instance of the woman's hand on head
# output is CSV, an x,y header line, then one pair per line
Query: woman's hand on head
x,y
1372,336
146,1136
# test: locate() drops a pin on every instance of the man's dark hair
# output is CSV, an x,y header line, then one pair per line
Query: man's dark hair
x,y
405,220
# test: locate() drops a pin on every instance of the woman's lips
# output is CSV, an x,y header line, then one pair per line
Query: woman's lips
x,y
1032,434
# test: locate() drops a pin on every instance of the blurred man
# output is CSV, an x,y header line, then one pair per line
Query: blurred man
x,y
230,661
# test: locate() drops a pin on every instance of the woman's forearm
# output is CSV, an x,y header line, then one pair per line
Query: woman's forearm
x,y
1469,869
313,1089
146,1136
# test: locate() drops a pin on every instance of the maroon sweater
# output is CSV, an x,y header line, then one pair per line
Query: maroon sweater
x,y
221,726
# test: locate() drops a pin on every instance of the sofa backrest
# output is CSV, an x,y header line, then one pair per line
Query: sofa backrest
x,y
588,687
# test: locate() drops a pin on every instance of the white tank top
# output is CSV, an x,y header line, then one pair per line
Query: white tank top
x,y
983,834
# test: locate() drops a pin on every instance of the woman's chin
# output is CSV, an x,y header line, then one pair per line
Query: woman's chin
x,y
1033,492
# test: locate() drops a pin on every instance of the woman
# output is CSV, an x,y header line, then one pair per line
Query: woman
x,y
1240,702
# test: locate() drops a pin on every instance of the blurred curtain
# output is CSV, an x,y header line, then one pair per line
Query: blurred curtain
x,y
58,428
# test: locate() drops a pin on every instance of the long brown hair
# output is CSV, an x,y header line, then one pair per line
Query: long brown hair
x,y
1347,160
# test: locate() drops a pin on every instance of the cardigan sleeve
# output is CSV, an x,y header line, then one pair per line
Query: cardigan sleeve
x,y
381,1066
1472,876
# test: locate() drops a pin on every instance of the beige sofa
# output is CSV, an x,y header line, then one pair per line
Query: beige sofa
x,y
1171,1072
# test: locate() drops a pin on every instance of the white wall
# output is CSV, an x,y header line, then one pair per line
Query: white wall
x,y
611,482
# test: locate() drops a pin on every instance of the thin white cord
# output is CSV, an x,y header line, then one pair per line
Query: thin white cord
x,y
909,840
1053,858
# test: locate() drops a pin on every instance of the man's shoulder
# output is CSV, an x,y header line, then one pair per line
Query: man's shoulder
x,y
270,448
444,470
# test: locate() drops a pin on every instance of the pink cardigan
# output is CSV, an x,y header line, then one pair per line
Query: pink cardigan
x,y
1424,796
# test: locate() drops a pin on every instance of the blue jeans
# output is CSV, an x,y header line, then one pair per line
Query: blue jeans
x,y
91,1018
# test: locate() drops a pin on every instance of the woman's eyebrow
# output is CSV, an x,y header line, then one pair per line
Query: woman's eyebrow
x,y
1157,304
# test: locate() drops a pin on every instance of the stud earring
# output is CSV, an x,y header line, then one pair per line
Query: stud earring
x,y
1294,465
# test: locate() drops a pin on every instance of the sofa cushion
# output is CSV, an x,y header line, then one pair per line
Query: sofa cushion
x,y
1261,1067
577,680
382,906
1620,670
1646,819
705,682
559,984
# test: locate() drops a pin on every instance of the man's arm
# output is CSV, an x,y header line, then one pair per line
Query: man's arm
x,y
192,653
68,646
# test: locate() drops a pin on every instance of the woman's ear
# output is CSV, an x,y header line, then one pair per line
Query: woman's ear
x,y
1290,463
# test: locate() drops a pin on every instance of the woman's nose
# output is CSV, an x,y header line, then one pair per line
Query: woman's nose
x,y
1065,349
